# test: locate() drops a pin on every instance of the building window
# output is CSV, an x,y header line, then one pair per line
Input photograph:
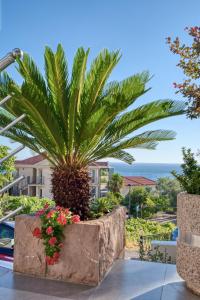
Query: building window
x,y
40,193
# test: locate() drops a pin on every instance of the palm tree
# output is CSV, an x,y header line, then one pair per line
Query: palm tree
x,y
115,183
75,120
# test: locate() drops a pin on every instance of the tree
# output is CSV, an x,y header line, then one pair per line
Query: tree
x,y
190,64
115,183
7,167
168,188
190,177
138,196
78,119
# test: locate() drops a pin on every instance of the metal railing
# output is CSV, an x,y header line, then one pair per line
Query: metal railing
x,y
146,252
4,63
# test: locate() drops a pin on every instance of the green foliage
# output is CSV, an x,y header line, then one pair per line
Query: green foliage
x,y
7,167
31,204
190,178
104,205
168,188
81,114
75,119
137,227
115,183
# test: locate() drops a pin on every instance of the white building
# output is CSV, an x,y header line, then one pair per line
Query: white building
x,y
37,181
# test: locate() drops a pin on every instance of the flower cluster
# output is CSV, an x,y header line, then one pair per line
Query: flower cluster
x,y
53,222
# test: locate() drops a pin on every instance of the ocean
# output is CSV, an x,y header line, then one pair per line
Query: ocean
x,y
150,170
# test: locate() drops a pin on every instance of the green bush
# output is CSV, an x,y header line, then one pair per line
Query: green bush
x,y
190,178
104,205
137,227
31,204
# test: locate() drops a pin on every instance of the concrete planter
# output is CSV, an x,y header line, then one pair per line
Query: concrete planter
x,y
89,250
188,244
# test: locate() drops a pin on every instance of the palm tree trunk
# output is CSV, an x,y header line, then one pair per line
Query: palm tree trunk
x,y
70,188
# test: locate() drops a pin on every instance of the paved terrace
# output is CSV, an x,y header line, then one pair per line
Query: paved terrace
x,y
128,280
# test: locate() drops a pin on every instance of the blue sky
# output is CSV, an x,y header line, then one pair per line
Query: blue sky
x,y
137,27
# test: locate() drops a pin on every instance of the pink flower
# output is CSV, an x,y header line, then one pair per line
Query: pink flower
x,y
52,241
49,230
61,219
60,245
75,219
37,233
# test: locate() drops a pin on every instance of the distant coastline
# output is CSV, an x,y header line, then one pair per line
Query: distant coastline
x,y
150,170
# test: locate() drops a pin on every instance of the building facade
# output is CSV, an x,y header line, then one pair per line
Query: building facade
x,y
37,177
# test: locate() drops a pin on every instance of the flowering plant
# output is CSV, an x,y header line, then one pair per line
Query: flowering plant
x,y
53,222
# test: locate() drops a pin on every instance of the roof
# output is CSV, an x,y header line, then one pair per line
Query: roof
x,y
36,159
31,160
137,181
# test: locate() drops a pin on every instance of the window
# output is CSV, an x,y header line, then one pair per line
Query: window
x,y
40,193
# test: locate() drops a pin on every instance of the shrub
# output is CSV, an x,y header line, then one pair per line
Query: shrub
x,y
31,204
104,205
137,227
190,178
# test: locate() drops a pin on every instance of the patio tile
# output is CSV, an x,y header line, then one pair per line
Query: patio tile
x,y
128,280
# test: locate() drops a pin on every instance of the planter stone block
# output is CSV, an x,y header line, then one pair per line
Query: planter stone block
x,y
89,250
188,244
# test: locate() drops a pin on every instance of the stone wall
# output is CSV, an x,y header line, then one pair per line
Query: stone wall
x,y
90,248
188,245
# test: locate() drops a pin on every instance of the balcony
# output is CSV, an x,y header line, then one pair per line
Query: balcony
x,y
39,180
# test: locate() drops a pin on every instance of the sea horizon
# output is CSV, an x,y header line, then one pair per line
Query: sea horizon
x,y
149,170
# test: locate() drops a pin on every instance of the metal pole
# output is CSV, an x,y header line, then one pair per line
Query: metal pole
x,y
12,153
129,201
10,58
11,214
12,123
7,187
5,99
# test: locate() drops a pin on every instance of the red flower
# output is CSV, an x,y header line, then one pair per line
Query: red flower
x,y
66,211
52,241
49,230
60,245
75,219
50,214
50,260
56,256
58,207
37,233
40,212
61,219
46,206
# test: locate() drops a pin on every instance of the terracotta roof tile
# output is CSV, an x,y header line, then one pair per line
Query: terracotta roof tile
x,y
137,181
36,159
31,160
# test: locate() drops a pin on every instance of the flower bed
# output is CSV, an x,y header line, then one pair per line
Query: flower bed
x,y
89,248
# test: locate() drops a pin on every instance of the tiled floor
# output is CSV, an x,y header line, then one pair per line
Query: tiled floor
x,y
128,280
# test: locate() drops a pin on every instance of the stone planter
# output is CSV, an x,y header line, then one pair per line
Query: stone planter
x,y
188,244
89,250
